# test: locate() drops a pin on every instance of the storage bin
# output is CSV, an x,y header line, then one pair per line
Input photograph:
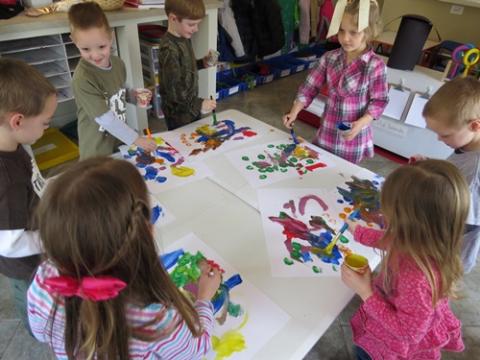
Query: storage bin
x,y
53,148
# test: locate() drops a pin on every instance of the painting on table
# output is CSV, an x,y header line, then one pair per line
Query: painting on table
x,y
246,319
299,225
278,160
165,168
203,138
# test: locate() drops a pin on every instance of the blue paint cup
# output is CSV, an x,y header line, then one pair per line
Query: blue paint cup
x,y
344,127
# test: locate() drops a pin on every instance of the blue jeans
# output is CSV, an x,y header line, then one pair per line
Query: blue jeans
x,y
361,354
19,295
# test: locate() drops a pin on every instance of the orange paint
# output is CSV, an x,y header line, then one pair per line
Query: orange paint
x,y
347,210
342,216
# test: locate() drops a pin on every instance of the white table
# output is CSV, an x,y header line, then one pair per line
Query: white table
x,y
233,228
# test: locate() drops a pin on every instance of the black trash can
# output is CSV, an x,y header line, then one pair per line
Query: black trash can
x,y
411,36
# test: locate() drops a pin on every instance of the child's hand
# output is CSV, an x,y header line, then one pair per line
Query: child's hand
x,y
208,105
289,120
416,157
357,126
352,225
143,97
209,281
360,283
146,144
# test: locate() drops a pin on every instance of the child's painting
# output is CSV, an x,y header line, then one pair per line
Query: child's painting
x,y
165,168
268,163
205,138
299,224
245,318
159,214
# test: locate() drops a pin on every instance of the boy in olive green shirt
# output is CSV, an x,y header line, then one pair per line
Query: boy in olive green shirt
x,y
99,86
178,66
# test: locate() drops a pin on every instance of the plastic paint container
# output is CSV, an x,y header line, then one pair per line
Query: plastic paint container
x,y
357,262
344,127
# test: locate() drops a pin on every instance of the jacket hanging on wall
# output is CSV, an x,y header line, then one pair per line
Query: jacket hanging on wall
x,y
268,25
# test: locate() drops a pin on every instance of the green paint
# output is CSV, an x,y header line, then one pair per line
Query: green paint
x,y
294,159
287,261
296,246
316,269
261,156
343,239
245,158
270,146
263,177
334,268
250,167
187,270
234,310
310,161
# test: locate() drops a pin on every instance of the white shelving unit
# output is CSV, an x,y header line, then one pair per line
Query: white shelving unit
x,y
49,55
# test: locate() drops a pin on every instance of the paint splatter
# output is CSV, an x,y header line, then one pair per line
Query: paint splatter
x,y
210,137
230,342
365,196
283,158
153,164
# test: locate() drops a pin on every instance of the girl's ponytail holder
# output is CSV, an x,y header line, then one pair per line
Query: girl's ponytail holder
x,y
88,288
363,15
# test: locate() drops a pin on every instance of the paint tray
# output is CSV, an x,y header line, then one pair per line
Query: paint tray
x,y
53,148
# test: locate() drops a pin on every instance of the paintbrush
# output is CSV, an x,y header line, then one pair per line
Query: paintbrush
x,y
214,113
294,136
329,248
149,133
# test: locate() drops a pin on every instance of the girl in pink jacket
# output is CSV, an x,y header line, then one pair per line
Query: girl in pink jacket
x,y
405,312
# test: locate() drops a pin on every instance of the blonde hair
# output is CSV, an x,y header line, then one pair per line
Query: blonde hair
x,y
87,15
425,206
186,9
374,24
456,103
23,89
94,220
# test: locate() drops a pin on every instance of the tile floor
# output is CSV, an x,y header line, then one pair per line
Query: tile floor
x,y
266,103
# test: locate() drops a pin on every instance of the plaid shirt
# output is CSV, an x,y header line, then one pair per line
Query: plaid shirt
x,y
354,90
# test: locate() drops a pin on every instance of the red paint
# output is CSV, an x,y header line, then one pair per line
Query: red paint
x,y
249,133
214,265
315,166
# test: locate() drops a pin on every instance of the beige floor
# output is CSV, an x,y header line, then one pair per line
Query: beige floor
x,y
267,103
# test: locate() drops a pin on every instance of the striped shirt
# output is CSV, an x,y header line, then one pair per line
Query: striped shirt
x,y
179,344
354,90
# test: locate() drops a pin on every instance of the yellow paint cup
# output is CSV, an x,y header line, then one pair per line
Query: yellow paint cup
x,y
357,263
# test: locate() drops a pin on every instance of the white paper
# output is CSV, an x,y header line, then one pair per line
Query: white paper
x,y
226,135
398,100
265,318
268,163
170,168
414,116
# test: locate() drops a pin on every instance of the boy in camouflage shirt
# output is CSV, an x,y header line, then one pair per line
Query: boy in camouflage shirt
x,y
178,66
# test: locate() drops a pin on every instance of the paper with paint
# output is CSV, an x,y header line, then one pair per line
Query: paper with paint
x,y
239,337
165,168
202,139
300,223
159,215
278,160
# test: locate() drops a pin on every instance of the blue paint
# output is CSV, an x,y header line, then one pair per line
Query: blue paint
x,y
155,214
150,173
160,179
294,136
170,259
306,256
166,156
344,126
141,165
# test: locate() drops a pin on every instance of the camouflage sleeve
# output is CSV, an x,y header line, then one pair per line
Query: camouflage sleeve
x,y
178,83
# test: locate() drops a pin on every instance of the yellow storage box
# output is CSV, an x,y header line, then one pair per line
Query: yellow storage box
x,y
53,148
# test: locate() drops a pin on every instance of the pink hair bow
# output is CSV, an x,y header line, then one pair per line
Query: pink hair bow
x,y
88,288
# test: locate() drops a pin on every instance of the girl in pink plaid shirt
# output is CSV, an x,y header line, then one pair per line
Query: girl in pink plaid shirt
x,y
405,312
357,88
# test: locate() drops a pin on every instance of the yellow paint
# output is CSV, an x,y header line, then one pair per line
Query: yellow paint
x,y
159,141
230,342
206,130
182,171
300,152
356,262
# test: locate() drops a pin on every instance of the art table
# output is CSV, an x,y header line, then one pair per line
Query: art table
x,y
222,211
